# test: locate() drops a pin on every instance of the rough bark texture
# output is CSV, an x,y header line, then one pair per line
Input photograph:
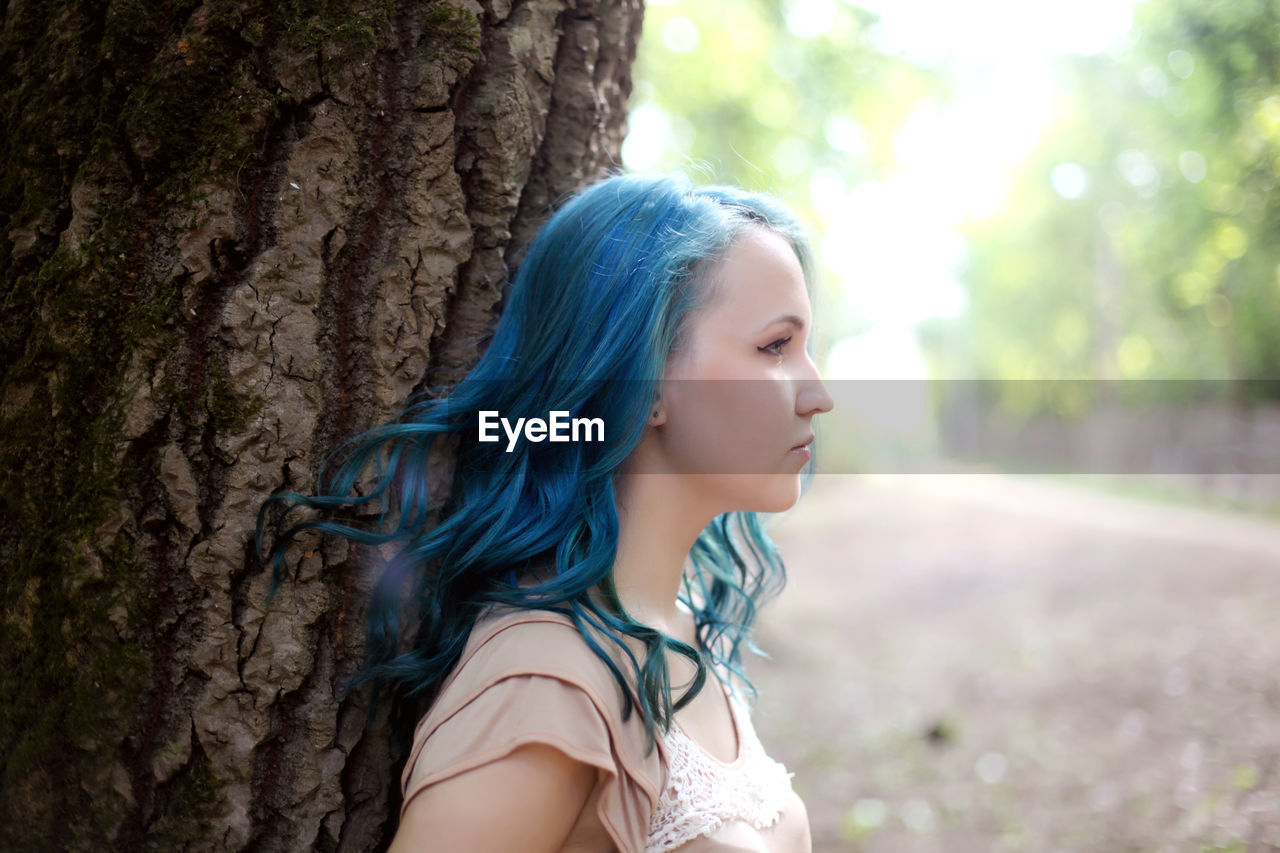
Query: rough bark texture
x,y
234,235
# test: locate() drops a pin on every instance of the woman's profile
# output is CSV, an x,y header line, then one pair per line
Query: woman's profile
x,y
569,624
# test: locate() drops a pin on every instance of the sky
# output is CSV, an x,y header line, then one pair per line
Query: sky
x,y
894,244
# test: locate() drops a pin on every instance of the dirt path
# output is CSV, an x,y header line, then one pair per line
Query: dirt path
x,y
978,663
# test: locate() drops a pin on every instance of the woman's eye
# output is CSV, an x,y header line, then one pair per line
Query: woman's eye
x,y
776,346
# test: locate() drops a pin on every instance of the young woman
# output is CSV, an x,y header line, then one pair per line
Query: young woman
x,y
583,603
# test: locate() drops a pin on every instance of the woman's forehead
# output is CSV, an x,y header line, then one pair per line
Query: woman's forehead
x,y
759,273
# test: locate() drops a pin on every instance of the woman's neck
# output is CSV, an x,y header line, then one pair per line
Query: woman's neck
x,y
658,522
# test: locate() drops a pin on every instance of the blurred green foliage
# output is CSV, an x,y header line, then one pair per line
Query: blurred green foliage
x,y
757,104
728,91
1139,239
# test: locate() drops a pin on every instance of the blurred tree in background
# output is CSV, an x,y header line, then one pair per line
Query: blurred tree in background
x,y
766,100
1135,241
792,99
1139,240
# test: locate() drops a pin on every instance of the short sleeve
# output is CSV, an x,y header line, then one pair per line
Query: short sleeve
x,y
537,682
512,713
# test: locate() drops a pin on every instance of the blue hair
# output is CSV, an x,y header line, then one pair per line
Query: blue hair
x,y
599,303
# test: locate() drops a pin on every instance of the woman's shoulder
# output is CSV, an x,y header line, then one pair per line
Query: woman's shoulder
x,y
530,676
507,644
524,641
513,625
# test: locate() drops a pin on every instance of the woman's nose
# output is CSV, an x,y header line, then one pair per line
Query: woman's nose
x,y
813,398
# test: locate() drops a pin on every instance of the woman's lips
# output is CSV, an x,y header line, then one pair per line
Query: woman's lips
x,y
802,449
804,445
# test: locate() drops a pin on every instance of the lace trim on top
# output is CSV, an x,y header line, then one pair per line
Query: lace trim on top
x,y
702,792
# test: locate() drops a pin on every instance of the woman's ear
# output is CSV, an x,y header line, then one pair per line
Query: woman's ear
x,y
658,412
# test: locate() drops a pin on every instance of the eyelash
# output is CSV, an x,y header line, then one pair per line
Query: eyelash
x,y
775,348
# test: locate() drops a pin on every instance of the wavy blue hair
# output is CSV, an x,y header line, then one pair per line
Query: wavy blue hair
x,y
599,303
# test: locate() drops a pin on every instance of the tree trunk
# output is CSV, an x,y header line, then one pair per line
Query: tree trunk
x,y
238,234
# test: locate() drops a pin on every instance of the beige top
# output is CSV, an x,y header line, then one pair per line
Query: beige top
x,y
527,676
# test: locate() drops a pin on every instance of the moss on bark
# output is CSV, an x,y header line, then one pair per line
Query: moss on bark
x,y
142,105
125,117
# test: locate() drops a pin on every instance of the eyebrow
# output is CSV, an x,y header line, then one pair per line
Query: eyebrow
x,y
786,318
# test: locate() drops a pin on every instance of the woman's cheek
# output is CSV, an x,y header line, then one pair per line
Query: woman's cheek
x,y
729,431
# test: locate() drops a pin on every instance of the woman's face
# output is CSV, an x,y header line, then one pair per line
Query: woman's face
x,y
739,396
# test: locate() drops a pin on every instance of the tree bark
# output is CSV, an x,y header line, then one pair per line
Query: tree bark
x,y
234,235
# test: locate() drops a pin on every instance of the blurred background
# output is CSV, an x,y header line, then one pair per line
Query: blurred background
x,y
1050,226
1042,614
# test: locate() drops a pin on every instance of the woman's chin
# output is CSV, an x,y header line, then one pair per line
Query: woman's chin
x,y
773,493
